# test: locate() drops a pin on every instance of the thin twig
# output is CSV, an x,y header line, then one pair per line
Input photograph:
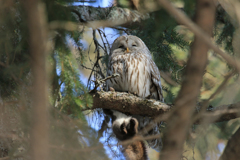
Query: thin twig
x,y
99,82
98,57
89,68
219,89
105,48
106,39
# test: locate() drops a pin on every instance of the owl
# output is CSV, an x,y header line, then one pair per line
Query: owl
x,y
131,59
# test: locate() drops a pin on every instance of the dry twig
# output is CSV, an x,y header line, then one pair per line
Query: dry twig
x,y
101,81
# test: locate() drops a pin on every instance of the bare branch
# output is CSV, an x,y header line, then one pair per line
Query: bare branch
x,y
101,81
127,16
205,104
96,64
129,103
111,17
220,114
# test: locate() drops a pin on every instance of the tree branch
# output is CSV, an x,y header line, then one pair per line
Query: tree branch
x,y
114,16
88,13
126,16
232,149
128,103
220,114
181,117
181,18
131,104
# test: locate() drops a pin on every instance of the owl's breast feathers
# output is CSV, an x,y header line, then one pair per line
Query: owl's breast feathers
x,y
135,70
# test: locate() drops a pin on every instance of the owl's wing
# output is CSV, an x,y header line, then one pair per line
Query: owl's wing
x,y
156,79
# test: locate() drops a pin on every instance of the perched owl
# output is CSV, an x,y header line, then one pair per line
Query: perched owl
x,y
131,59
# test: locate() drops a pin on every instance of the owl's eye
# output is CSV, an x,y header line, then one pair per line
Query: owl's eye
x,y
121,46
134,45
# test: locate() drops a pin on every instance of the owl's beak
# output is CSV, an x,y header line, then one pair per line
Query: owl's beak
x,y
127,51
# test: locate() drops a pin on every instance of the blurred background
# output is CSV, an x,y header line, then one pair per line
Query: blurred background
x,y
76,57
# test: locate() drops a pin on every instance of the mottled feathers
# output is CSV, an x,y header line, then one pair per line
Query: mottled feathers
x,y
131,59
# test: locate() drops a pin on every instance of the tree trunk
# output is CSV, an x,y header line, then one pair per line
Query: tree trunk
x,y
37,40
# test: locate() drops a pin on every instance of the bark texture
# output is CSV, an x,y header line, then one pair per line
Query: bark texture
x,y
124,16
232,149
131,104
180,119
128,103
37,26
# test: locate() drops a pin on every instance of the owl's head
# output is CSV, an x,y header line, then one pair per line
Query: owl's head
x,y
129,44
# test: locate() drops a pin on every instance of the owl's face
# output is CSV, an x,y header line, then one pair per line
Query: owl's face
x,y
128,44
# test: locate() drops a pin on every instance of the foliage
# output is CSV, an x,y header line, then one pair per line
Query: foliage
x,y
224,30
69,96
14,57
15,63
67,93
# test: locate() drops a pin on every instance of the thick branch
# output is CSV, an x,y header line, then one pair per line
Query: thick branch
x,y
129,103
232,149
180,119
129,16
126,16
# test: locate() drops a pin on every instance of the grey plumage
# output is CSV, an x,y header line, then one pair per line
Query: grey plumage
x,y
132,60
138,72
